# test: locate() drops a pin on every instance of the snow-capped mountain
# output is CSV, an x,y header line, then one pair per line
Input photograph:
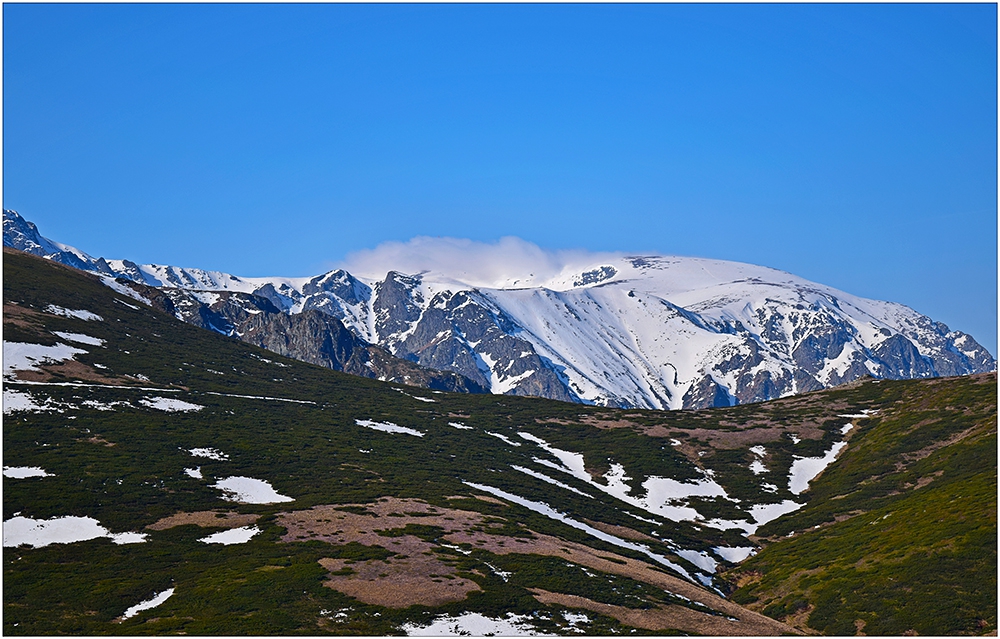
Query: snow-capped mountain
x,y
629,331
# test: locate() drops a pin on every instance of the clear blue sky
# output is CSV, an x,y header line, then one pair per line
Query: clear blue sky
x,y
851,144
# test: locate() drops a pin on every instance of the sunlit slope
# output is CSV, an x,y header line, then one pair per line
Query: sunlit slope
x,y
900,534
221,489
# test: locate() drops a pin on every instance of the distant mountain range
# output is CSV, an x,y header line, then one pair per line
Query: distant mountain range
x,y
645,331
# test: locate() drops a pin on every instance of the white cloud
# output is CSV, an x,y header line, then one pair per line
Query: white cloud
x,y
510,261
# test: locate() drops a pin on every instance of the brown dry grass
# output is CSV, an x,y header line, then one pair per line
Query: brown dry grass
x,y
205,519
621,531
667,617
373,582
400,582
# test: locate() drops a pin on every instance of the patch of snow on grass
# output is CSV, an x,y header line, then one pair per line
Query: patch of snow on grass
x,y
424,399
548,511
239,535
16,401
574,618
546,478
504,438
149,603
757,468
805,469
247,490
663,496
58,530
846,428
18,356
476,625
700,559
572,462
124,290
97,405
194,472
388,427
735,555
128,538
66,312
23,472
276,399
868,412
80,338
760,451
211,453
169,405
764,513
456,549
459,426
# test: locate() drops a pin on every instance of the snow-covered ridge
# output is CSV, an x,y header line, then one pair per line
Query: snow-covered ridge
x,y
647,331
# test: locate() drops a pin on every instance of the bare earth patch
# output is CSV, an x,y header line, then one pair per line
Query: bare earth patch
x,y
621,531
69,369
398,582
664,617
205,519
374,581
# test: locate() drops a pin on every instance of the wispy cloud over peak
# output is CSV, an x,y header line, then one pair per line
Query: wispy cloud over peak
x,y
510,261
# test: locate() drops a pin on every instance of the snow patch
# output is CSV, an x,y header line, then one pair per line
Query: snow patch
x,y
211,453
388,427
16,401
805,469
504,438
548,511
476,625
247,490
19,356
149,603
735,555
86,316
80,338
38,533
239,535
169,405
547,479
23,472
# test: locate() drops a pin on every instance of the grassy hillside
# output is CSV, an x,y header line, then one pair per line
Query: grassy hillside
x,y
900,535
452,508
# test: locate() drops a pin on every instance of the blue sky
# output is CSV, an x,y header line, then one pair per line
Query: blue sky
x,y
851,144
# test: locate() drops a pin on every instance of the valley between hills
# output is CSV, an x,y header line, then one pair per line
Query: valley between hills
x,y
160,478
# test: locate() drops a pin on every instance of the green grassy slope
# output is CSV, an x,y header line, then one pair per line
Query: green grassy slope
x,y
125,468
900,534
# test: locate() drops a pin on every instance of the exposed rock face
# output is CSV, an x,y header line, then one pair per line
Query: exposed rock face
x,y
640,331
310,336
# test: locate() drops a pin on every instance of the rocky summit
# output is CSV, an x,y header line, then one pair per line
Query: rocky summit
x,y
646,331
